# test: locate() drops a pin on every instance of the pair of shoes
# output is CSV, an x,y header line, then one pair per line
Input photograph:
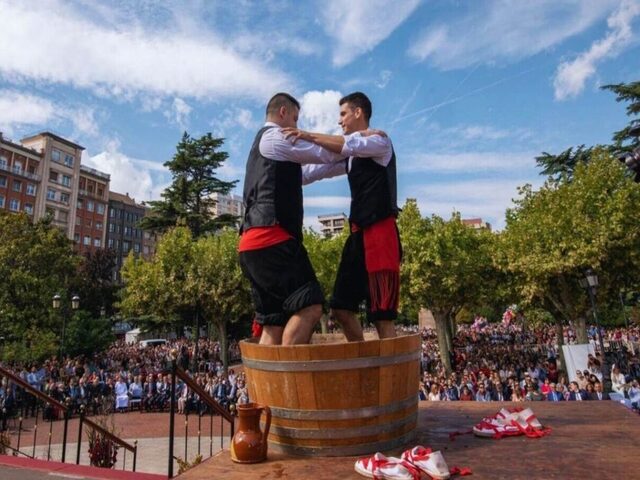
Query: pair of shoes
x,y
412,464
511,423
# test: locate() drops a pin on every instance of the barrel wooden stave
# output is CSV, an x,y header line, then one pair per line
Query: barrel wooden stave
x,y
333,391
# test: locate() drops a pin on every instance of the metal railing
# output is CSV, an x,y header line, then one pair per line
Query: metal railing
x,y
54,407
20,171
110,436
209,401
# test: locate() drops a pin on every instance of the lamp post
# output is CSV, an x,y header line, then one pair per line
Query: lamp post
x,y
75,305
590,283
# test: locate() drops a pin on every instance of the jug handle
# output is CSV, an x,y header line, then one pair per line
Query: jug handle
x,y
267,425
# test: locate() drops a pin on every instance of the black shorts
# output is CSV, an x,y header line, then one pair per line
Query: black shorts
x,y
351,287
282,281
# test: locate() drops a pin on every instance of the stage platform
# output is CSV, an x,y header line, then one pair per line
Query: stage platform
x,y
588,440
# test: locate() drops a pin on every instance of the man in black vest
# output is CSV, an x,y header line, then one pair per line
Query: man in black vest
x,y
286,293
370,265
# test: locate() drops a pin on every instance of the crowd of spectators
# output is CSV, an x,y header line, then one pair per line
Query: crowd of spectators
x,y
125,377
496,362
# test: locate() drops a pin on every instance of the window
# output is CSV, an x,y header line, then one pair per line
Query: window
x,y
51,194
100,208
31,189
110,243
89,223
136,247
78,221
14,205
64,197
17,186
145,249
55,155
28,207
97,242
3,163
126,246
3,181
89,206
127,231
1,201
17,167
63,216
86,240
100,192
68,160
53,176
76,238
66,180
79,205
98,225
113,212
112,227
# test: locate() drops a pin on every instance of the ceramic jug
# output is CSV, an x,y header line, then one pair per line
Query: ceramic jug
x,y
249,444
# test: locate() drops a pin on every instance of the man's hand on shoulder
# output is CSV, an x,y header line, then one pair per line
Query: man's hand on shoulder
x,y
373,131
294,134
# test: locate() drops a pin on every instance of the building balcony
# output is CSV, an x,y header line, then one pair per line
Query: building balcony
x,y
87,193
21,172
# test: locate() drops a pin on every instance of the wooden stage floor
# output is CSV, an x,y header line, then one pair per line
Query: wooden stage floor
x,y
588,440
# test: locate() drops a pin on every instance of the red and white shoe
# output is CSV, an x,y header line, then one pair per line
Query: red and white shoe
x,y
428,462
380,467
530,418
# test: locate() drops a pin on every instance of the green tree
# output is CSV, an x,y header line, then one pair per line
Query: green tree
x,y
187,201
36,262
94,283
86,334
563,164
446,267
188,278
553,235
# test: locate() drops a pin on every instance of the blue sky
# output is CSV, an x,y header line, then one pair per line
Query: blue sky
x,y
469,91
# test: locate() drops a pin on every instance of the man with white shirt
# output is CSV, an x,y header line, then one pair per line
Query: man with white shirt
x,y
370,265
287,296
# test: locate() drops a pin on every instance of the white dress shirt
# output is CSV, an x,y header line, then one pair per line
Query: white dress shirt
x,y
274,146
377,147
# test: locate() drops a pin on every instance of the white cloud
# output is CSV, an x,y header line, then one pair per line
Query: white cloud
x,y
54,43
178,113
572,75
467,162
327,202
311,221
504,30
141,179
383,80
485,198
18,110
320,110
360,25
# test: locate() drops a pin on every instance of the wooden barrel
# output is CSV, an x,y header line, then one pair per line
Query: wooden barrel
x,y
333,398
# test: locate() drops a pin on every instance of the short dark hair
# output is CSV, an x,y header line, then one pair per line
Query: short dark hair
x,y
359,99
281,99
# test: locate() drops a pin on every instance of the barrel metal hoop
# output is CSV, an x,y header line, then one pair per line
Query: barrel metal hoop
x,y
331,365
345,450
339,433
346,413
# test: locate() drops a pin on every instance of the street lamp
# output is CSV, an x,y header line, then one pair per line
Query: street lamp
x,y
75,305
590,283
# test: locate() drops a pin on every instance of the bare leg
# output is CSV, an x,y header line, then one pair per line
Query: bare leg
x,y
271,335
350,325
386,329
300,326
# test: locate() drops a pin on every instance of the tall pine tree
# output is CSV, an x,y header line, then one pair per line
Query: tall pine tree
x,y
563,164
188,200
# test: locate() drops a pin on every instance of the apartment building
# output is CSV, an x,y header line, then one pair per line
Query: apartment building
x,y
91,209
228,204
20,177
332,224
123,232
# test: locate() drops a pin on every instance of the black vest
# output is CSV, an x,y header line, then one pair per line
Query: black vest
x,y
272,192
373,191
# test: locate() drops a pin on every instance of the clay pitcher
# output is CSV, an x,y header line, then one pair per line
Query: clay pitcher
x,y
249,444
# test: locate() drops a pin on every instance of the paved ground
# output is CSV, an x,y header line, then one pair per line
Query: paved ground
x,y
588,440
150,430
